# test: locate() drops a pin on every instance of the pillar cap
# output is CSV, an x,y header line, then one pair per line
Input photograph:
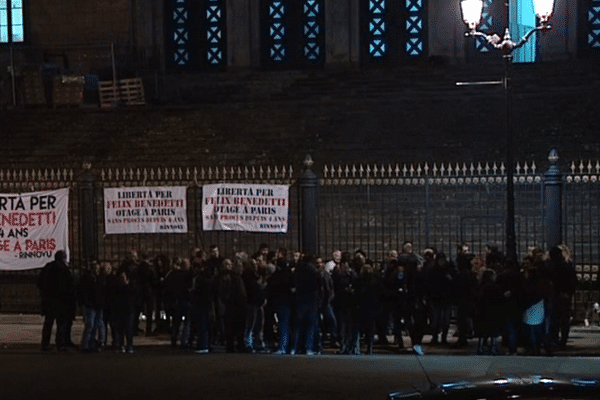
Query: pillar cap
x,y
553,156
308,161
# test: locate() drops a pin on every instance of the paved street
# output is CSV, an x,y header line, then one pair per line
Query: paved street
x,y
157,371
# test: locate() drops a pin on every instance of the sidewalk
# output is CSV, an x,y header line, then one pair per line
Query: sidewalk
x,y
23,332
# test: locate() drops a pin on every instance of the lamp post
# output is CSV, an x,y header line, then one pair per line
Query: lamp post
x,y
471,12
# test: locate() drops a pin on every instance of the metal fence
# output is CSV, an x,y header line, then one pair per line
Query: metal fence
x,y
373,208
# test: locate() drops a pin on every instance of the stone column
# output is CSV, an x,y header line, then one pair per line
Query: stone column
x,y
341,32
238,34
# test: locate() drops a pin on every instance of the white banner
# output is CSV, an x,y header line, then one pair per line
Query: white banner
x,y
241,207
33,226
145,210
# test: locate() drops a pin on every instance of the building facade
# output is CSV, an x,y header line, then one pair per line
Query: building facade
x,y
200,35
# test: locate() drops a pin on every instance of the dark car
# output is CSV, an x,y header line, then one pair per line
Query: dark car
x,y
508,387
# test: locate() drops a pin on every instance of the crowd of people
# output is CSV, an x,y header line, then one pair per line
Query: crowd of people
x,y
301,304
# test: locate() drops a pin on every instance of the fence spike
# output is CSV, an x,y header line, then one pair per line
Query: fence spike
x,y
52,174
397,170
325,171
581,167
368,171
426,169
502,168
260,171
291,172
449,169
404,170
597,167
518,168
253,172
269,172
276,172
419,170
589,167
246,172
216,172
353,171
239,173
375,170
435,169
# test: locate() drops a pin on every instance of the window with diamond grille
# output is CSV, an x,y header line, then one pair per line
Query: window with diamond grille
x,y
278,49
415,29
593,23
180,34
12,28
313,30
293,33
378,29
215,35
196,34
394,30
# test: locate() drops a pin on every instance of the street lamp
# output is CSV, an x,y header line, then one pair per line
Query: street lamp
x,y
471,12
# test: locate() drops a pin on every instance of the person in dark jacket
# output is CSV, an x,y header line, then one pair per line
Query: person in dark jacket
x,y
463,294
202,295
565,283
179,286
129,271
148,287
280,285
439,281
327,295
308,284
344,280
255,285
368,290
488,314
230,303
58,295
92,291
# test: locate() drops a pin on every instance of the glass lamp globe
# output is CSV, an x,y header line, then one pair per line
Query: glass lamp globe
x,y
471,11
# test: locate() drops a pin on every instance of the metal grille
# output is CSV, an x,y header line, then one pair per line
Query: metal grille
x,y
278,31
313,30
181,34
377,28
594,25
415,29
374,208
215,36
377,209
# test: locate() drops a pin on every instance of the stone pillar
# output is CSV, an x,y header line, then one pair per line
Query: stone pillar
x,y
342,32
87,215
553,202
238,35
446,31
560,43
309,210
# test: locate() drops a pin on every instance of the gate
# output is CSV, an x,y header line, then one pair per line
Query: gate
x,y
368,207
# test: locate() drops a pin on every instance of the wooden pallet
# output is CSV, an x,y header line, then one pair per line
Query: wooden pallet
x,y
67,90
32,88
128,91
